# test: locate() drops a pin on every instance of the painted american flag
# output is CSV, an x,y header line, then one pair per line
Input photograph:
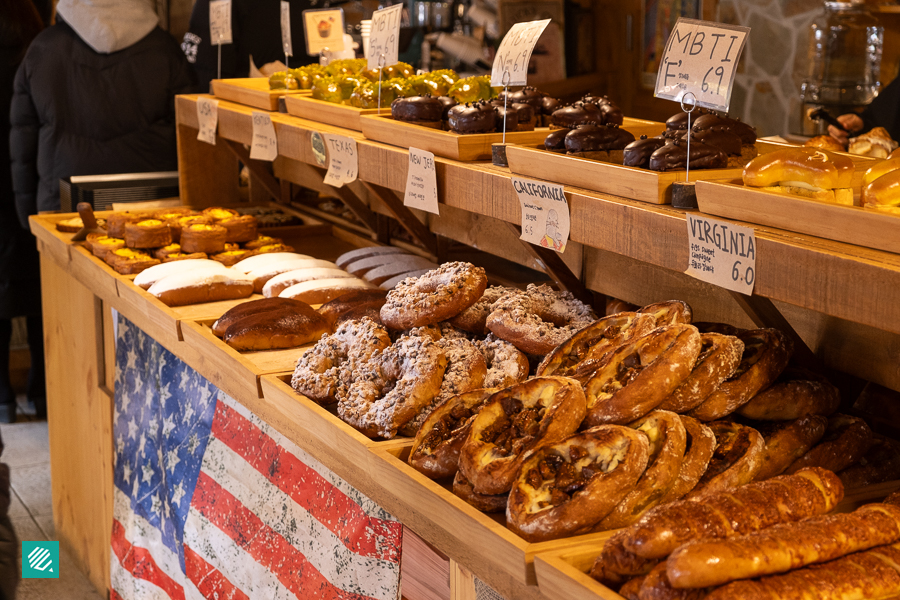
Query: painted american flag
x,y
210,502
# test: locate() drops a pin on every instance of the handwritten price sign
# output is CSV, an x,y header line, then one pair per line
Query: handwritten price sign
x,y
545,213
701,57
286,43
515,52
343,164
421,182
208,119
721,253
265,144
384,36
220,22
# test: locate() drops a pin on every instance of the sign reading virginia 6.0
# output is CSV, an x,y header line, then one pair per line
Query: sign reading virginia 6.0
x,y
701,57
721,253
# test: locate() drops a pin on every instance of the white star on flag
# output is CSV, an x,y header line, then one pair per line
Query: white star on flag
x,y
148,472
132,428
172,460
178,494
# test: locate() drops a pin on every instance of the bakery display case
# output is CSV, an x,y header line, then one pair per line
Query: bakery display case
x,y
836,301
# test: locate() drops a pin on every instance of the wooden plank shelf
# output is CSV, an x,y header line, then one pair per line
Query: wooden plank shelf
x,y
858,284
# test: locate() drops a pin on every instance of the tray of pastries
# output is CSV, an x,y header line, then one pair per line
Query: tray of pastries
x,y
252,91
637,162
816,192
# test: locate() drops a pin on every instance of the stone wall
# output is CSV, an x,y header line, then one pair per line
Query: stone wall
x,y
767,86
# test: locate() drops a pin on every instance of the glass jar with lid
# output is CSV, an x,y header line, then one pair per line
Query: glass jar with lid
x,y
844,54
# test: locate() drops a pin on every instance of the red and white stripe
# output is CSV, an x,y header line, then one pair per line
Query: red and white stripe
x,y
141,566
265,524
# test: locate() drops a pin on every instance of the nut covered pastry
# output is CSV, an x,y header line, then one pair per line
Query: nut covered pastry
x,y
569,486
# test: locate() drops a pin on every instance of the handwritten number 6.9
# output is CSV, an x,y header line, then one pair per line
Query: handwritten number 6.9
x,y
720,71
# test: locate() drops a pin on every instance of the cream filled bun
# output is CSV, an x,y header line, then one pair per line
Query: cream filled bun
x,y
808,172
883,193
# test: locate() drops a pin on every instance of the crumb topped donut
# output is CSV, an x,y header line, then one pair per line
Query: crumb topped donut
x,y
506,364
466,370
325,371
393,386
434,297
473,318
539,319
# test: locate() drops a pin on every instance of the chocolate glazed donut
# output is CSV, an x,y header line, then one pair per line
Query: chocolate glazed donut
x,y
637,153
477,117
673,157
417,109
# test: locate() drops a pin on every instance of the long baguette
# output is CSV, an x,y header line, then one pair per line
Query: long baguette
x,y
872,574
784,547
748,508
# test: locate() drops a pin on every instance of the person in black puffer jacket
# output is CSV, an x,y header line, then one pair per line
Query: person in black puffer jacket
x,y
94,95
20,283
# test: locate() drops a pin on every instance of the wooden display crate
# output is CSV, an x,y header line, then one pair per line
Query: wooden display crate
x,y
851,224
563,573
629,182
639,127
339,115
336,444
447,144
236,372
458,529
252,91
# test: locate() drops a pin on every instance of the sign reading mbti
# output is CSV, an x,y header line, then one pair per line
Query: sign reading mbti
x,y
40,560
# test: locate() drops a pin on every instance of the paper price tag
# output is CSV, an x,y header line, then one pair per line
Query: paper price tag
x,y
343,161
208,119
384,36
265,144
324,29
421,182
701,57
515,52
220,22
545,213
286,43
721,253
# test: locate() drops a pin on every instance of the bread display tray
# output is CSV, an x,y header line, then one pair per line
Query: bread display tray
x,y
336,444
563,572
237,372
339,115
447,144
635,183
861,163
477,537
851,224
252,91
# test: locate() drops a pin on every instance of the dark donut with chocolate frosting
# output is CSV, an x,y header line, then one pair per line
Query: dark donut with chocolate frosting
x,y
715,122
447,103
610,110
527,95
475,117
510,114
726,141
548,105
678,121
580,113
637,153
417,109
526,112
673,157
593,138
556,140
